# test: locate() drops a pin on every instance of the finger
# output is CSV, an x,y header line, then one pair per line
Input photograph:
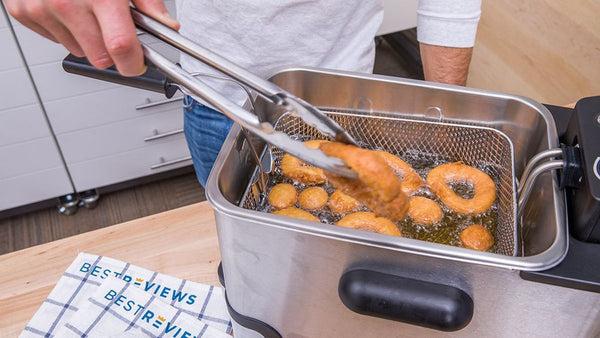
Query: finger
x,y
36,16
157,10
79,19
120,39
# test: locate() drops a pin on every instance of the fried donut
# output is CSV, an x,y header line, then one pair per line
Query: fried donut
x,y
411,181
439,178
377,186
296,213
424,211
341,203
282,195
363,220
476,237
313,198
295,169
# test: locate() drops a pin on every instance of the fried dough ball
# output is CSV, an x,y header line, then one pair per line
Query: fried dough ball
x,y
424,211
296,213
341,203
411,181
313,198
476,237
377,186
441,176
368,221
282,195
295,169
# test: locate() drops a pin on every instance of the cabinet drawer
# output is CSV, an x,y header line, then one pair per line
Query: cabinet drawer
x,y
116,104
19,90
10,57
120,136
28,157
22,124
129,165
34,187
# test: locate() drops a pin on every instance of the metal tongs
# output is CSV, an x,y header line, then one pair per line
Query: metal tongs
x,y
265,130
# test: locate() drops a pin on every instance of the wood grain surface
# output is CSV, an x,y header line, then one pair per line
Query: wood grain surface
x,y
181,242
548,50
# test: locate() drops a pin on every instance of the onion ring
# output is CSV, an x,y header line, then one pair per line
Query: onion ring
x,y
282,195
363,220
411,181
295,169
424,211
476,237
313,198
341,203
485,189
377,186
296,213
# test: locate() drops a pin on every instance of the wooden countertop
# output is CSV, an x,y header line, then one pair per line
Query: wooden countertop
x,y
181,242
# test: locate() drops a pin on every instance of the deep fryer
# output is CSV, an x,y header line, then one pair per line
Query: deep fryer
x,y
296,278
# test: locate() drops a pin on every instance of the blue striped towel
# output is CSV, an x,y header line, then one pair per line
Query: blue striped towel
x,y
87,272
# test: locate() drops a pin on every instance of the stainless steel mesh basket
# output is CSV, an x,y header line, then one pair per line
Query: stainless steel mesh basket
x,y
419,142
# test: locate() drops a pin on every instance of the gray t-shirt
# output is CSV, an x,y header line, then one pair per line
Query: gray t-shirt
x,y
266,35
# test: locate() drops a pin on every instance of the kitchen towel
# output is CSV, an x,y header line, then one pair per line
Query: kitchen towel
x,y
119,309
86,274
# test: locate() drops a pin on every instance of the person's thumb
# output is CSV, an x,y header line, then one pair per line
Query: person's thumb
x,y
157,10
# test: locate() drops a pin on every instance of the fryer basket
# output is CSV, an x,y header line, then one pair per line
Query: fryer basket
x,y
422,142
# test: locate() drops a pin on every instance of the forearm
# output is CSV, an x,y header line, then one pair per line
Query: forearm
x,y
445,64
446,32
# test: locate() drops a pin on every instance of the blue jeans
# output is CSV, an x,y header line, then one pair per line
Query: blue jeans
x,y
205,131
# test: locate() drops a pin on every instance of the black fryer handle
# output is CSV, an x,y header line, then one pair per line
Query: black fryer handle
x,y
152,79
407,300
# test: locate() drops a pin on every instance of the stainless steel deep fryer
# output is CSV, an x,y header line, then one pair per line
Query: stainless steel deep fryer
x,y
291,275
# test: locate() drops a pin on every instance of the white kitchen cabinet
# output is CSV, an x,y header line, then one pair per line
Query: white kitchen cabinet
x,y
101,127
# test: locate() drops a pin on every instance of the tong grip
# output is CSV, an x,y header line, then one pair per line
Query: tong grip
x,y
152,79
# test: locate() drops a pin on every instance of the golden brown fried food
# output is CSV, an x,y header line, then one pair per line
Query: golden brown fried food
x,y
341,203
313,198
296,213
368,221
283,195
441,176
411,181
377,186
295,169
424,211
476,237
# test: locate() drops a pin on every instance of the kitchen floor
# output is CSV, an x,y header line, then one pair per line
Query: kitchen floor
x,y
22,231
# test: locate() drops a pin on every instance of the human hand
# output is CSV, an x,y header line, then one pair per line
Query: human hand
x,y
101,30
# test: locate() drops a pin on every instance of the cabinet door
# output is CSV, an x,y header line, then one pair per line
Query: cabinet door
x,y
31,168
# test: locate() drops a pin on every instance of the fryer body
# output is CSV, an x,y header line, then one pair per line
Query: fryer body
x,y
289,280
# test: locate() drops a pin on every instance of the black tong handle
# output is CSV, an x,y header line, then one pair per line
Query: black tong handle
x,y
152,79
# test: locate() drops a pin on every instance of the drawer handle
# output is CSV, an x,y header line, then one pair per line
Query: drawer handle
x,y
157,136
151,104
164,163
